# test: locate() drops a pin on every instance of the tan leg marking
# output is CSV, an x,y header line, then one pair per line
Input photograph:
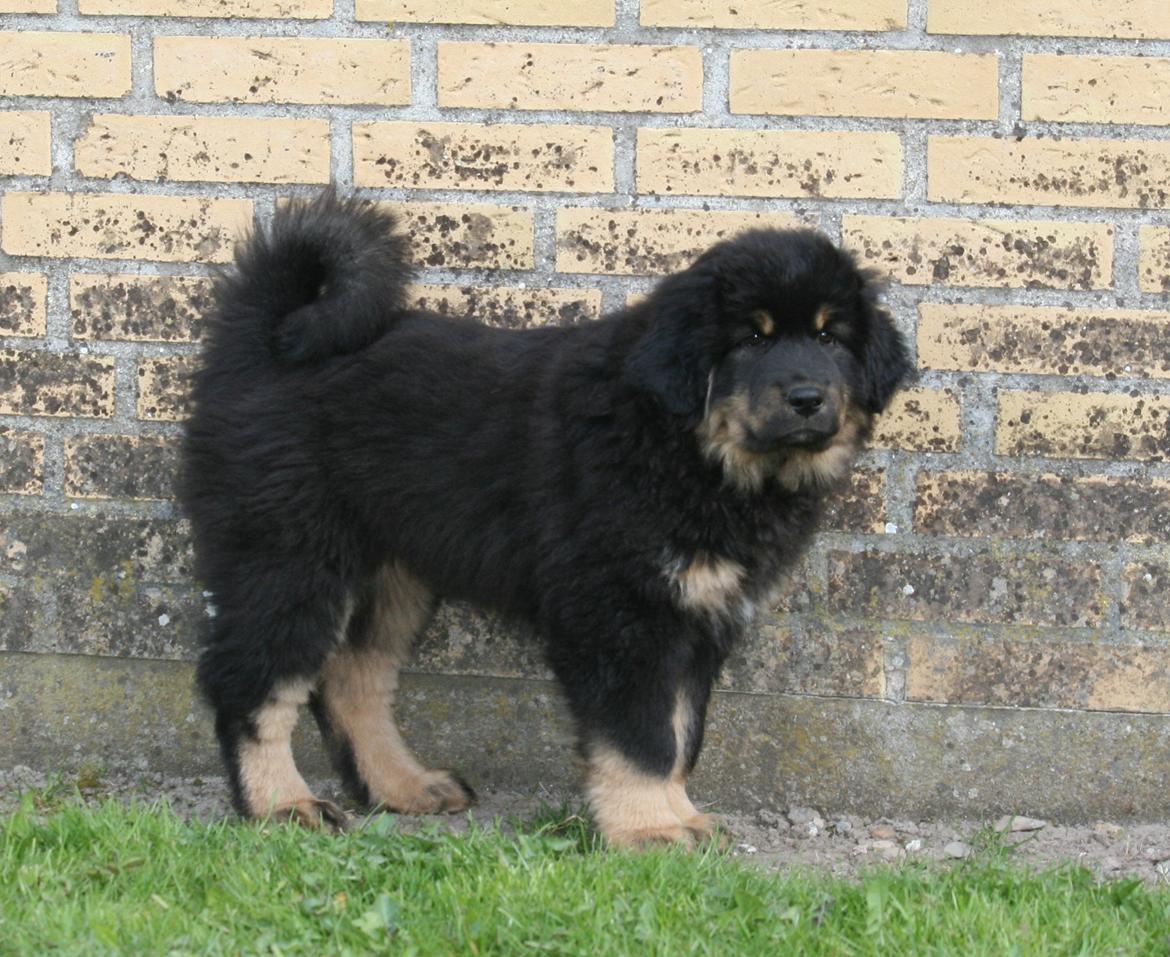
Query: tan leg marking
x,y
636,809
271,783
358,688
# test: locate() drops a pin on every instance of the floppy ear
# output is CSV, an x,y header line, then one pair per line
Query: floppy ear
x,y
674,357
887,362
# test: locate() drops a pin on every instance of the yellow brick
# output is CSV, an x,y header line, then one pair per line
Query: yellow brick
x,y
276,9
989,252
1099,173
39,63
22,303
122,226
509,307
1082,18
1079,426
1046,674
647,242
28,6
536,158
163,387
571,76
210,149
1096,89
129,307
44,383
1043,340
528,13
1154,262
773,15
25,144
462,236
893,83
722,162
924,420
282,70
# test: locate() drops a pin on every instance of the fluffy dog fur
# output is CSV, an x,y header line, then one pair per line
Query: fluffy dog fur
x,y
630,487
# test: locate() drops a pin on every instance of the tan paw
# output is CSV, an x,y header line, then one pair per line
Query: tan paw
x,y
432,792
316,814
646,837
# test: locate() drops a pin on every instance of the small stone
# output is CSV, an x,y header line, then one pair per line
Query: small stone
x,y
957,850
888,850
747,848
882,832
1157,854
1107,834
803,817
1017,823
842,828
1162,869
773,819
914,845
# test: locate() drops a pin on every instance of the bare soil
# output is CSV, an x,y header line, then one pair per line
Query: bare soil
x,y
774,840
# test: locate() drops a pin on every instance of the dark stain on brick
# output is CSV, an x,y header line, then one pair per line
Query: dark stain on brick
x,y
1001,505
164,386
80,548
1144,602
43,383
18,301
787,658
21,468
163,309
514,311
1032,673
120,467
983,587
857,506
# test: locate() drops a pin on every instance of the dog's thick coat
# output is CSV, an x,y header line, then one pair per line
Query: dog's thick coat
x,y
631,488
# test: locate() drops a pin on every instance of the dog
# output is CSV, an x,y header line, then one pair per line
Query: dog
x,y
630,487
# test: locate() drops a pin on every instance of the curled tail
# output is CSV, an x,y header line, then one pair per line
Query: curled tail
x,y
326,278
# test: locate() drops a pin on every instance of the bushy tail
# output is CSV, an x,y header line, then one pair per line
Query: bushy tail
x,y
327,278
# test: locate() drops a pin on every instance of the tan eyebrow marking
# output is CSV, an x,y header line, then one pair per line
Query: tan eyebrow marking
x,y
821,319
763,319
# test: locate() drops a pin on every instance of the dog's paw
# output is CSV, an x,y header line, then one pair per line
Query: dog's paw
x,y
432,792
648,837
316,814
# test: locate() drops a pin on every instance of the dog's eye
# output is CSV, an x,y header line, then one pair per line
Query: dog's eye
x,y
825,336
754,339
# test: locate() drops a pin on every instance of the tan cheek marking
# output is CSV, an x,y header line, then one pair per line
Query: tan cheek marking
x,y
709,584
268,774
824,314
721,437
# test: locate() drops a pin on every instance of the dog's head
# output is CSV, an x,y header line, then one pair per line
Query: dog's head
x,y
773,348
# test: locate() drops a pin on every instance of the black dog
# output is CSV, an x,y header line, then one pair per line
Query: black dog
x,y
631,487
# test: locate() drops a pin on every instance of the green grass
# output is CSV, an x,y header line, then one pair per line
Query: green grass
x,y
116,880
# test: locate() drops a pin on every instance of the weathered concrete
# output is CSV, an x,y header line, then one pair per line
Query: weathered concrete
x,y
770,751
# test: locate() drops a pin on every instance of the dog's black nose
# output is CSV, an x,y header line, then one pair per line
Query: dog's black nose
x,y
806,399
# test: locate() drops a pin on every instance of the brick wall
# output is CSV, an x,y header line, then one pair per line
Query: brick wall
x,y
1006,164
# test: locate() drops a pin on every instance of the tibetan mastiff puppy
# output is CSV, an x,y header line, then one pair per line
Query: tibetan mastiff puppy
x,y
631,488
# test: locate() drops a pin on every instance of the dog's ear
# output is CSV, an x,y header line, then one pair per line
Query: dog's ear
x,y
674,357
887,361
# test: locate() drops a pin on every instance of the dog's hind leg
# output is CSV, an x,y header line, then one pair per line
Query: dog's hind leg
x,y
256,687
354,704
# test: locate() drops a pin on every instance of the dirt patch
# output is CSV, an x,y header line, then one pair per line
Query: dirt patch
x,y
772,840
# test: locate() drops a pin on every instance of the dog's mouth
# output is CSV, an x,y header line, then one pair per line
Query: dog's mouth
x,y
803,437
